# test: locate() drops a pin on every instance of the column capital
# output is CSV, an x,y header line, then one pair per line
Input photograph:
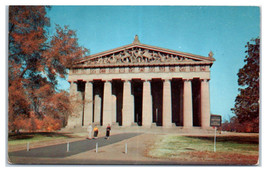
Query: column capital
x,y
204,80
147,80
166,79
188,80
107,80
126,80
89,81
71,82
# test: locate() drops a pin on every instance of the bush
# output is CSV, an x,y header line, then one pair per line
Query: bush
x,y
33,123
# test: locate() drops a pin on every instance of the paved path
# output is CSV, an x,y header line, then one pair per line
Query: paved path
x,y
60,150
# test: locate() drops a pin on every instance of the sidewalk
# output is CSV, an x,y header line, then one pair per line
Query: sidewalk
x,y
111,154
136,150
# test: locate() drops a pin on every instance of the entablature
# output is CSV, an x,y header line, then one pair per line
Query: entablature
x,y
141,69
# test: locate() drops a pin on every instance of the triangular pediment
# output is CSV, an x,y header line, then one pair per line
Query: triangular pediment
x,y
137,53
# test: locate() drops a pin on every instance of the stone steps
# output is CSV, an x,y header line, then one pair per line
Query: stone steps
x,y
153,129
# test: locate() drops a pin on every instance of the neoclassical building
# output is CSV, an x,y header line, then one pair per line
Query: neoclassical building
x,y
141,85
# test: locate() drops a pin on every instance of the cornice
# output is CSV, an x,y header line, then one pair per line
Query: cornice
x,y
143,64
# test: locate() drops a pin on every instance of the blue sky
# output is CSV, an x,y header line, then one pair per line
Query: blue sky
x,y
192,29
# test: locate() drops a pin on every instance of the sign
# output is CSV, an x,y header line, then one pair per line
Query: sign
x,y
215,120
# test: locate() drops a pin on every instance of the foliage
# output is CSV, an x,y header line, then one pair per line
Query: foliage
x,y
247,101
35,61
235,126
33,123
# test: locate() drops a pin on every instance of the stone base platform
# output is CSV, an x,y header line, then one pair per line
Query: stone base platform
x,y
153,129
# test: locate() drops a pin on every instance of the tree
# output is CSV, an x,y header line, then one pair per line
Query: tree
x,y
247,101
235,126
35,60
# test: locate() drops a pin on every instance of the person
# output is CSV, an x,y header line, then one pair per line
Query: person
x,y
108,131
95,132
89,129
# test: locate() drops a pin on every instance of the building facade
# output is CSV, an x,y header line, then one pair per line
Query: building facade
x,y
139,84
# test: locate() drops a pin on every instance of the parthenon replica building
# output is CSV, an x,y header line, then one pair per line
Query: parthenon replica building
x,y
141,85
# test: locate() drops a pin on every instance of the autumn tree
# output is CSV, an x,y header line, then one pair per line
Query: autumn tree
x,y
35,61
235,126
247,101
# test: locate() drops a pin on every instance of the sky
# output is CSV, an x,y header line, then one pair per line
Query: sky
x,y
224,30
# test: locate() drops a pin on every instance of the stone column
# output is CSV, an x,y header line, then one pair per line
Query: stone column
x,y
73,91
147,105
73,99
79,109
205,104
181,105
88,103
188,108
97,109
132,109
126,104
79,105
167,104
107,104
114,109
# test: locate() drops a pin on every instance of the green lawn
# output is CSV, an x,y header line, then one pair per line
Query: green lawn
x,y
24,138
228,149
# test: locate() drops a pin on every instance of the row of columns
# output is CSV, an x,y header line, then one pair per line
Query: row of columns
x,y
109,104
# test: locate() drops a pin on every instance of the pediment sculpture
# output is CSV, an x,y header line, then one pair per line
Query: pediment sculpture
x,y
137,55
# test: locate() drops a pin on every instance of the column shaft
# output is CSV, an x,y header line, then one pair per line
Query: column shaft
x,y
147,105
205,104
73,99
181,105
127,104
73,91
97,109
132,109
107,104
77,104
188,108
114,109
88,103
79,108
167,104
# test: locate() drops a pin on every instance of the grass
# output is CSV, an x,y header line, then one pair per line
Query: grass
x,y
232,150
23,138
